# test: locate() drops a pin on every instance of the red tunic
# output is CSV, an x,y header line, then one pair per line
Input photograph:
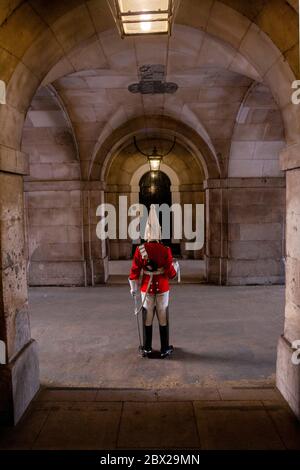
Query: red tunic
x,y
162,256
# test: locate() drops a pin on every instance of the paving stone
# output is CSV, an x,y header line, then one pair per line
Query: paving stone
x,y
236,426
25,433
153,425
286,423
81,428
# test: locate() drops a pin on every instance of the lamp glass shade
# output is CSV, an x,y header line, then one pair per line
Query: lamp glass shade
x,y
154,164
144,27
144,16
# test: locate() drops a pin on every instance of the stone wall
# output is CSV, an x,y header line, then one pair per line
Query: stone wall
x,y
95,250
256,218
53,201
245,230
54,234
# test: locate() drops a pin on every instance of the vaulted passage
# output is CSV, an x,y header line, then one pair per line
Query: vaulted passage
x,y
201,120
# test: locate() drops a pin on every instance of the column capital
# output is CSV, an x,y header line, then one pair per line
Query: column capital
x,y
93,185
13,161
253,182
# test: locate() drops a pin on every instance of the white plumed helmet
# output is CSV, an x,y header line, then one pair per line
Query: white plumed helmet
x,y
152,230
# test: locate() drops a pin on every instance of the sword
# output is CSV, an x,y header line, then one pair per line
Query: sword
x,y
136,311
139,308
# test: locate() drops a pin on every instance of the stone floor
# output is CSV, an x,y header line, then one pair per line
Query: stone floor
x,y
224,417
217,392
87,336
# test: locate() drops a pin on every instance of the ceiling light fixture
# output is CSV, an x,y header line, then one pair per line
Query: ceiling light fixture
x,y
140,17
154,158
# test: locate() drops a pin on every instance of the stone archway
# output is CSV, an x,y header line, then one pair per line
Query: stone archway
x,y
124,169
164,126
49,38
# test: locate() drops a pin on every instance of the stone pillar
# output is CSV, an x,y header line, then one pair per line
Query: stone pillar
x,y
191,194
216,227
288,374
19,376
95,250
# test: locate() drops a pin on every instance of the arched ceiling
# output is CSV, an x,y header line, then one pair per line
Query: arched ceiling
x,y
124,164
160,128
217,51
212,81
258,136
271,16
49,140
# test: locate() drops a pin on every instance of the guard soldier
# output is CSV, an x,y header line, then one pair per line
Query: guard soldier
x,y
155,261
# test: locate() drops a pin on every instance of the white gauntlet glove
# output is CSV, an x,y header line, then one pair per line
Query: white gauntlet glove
x,y
134,285
177,269
176,266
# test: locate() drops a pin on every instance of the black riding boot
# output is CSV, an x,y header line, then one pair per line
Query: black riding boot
x,y
165,349
147,348
147,336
